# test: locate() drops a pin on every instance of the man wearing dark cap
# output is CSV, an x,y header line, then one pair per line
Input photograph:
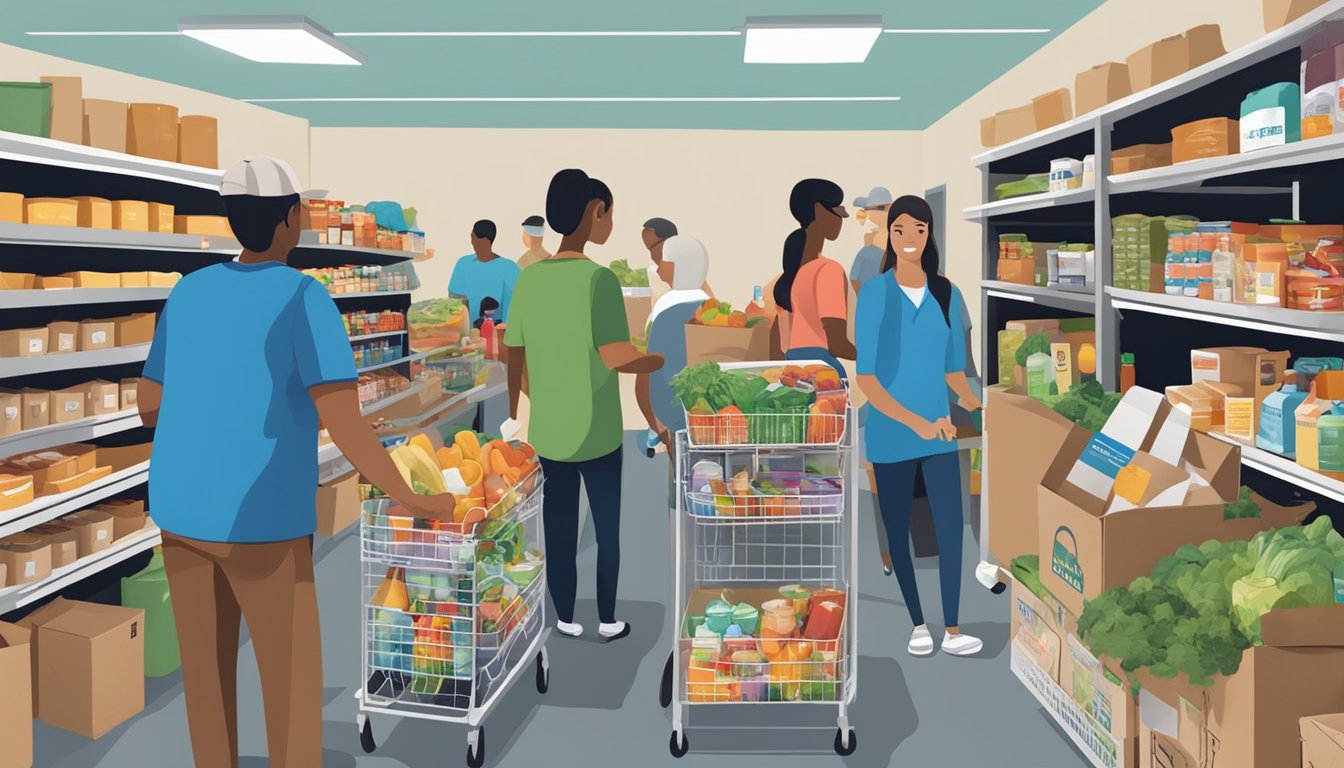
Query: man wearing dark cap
x,y
534,228
656,232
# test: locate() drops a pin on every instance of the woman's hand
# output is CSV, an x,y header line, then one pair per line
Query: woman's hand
x,y
970,404
941,429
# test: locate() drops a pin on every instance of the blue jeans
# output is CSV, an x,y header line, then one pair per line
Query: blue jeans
x,y
895,493
601,477
817,353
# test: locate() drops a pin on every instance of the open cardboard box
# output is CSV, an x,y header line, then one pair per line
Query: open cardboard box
x,y
1322,741
16,705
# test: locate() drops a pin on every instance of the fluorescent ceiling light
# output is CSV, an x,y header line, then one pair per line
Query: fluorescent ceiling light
x,y
271,39
810,39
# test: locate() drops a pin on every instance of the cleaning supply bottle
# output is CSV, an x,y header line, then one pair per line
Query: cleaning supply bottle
x,y
1278,422
1040,374
1126,371
1174,277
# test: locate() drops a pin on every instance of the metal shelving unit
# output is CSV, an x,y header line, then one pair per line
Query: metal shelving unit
x,y
12,367
83,237
80,431
13,598
372,336
49,152
72,297
47,508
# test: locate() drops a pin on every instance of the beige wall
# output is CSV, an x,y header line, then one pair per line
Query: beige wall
x,y
1110,33
244,129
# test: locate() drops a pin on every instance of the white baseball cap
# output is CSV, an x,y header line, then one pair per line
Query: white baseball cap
x,y
261,176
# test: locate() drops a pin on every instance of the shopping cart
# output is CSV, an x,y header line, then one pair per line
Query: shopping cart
x,y
749,548
451,616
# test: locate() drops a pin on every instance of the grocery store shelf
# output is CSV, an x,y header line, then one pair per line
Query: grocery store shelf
x,y
378,405
1261,49
1056,298
1029,203
370,294
1285,469
80,431
13,598
372,336
400,360
76,296
83,237
1192,173
1289,322
45,508
11,367
32,149
308,242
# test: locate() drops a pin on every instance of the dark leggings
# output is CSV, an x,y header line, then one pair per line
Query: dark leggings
x,y
895,494
560,513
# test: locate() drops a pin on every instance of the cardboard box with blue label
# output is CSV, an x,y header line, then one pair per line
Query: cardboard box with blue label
x,y
1142,486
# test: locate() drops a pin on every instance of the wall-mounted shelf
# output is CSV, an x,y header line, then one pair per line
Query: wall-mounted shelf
x,y
1083,301
45,508
32,149
101,358
85,237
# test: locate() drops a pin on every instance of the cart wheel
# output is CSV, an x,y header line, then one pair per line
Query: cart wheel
x,y
476,751
366,736
678,744
543,673
845,742
665,689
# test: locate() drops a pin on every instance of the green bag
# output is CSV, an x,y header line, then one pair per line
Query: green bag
x,y
148,591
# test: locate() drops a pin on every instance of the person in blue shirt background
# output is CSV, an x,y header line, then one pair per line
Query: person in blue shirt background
x,y
233,488
684,266
911,350
484,273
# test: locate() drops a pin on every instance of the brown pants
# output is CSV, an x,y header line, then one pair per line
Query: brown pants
x,y
214,587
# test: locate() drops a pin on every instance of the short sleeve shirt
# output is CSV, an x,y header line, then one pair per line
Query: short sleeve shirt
x,y
564,310
235,449
477,280
867,264
820,292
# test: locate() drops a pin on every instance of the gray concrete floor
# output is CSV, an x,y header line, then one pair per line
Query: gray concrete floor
x,y
602,706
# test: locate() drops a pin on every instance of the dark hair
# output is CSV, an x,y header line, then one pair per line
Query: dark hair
x,y
534,221
484,228
939,286
568,197
803,205
254,219
662,228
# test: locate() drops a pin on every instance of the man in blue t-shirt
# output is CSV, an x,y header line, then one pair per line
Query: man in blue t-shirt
x,y
483,274
247,357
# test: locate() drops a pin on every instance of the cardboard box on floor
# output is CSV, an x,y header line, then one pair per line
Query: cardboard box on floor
x,y
31,622
1250,719
1099,687
1322,741
338,504
16,705
1039,627
719,344
91,668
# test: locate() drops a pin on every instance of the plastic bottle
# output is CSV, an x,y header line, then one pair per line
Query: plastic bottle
x,y
1190,286
1208,243
1126,371
758,298
1040,373
1174,277
489,336
1224,269
1330,431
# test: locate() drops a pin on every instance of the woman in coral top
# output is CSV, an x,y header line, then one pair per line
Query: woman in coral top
x,y
813,292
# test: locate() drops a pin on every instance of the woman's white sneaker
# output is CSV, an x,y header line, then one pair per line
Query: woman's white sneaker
x,y
921,642
961,645
569,629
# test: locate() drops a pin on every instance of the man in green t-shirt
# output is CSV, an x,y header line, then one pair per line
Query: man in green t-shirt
x,y
567,329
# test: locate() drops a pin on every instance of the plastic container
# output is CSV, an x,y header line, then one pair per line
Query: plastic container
x,y
1224,268
148,591
26,108
1271,117
1065,174
1174,278
1278,423
1040,374
1330,431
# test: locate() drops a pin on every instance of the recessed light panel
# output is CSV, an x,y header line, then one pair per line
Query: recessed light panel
x,y
271,39
810,39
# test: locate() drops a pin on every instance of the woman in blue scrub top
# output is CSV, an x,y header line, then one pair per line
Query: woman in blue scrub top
x,y
911,351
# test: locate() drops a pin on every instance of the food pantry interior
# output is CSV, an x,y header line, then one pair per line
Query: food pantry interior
x,y
1131,200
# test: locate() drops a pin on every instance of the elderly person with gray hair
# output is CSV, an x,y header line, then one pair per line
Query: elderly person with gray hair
x,y
684,266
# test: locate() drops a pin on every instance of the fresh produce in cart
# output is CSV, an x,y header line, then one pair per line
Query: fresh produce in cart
x,y
784,405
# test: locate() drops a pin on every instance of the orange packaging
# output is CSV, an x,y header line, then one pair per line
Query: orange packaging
x,y
1317,294
94,212
1271,287
130,215
151,131
1214,137
160,218
198,141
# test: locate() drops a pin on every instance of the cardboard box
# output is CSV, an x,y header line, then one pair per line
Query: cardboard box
x,y
151,131
1254,371
1280,13
198,141
62,338
1014,467
105,124
96,531
987,132
91,668
338,504
161,218
102,398
1322,741
1100,689
54,283
23,342
50,211
207,226
67,108
1051,109
16,706
97,334
1214,137
1203,44
1020,271
1014,124
128,515
27,559
705,343
134,279
1140,157
1159,62
64,550
1038,626
85,456
17,281
11,413
1252,718
164,279
128,393
11,207
67,405
135,329
84,279
1096,87
36,408
31,622
43,466
638,307
130,215
93,212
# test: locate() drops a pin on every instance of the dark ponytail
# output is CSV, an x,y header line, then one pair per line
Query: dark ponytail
x,y
568,197
803,205
940,288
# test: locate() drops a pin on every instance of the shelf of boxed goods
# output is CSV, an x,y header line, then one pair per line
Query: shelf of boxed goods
x,y
372,336
69,297
1190,174
1083,301
12,367
1029,203
308,242
1286,469
86,237
400,360
32,149
13,598
55,435
1328,326
47,508
1267,46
